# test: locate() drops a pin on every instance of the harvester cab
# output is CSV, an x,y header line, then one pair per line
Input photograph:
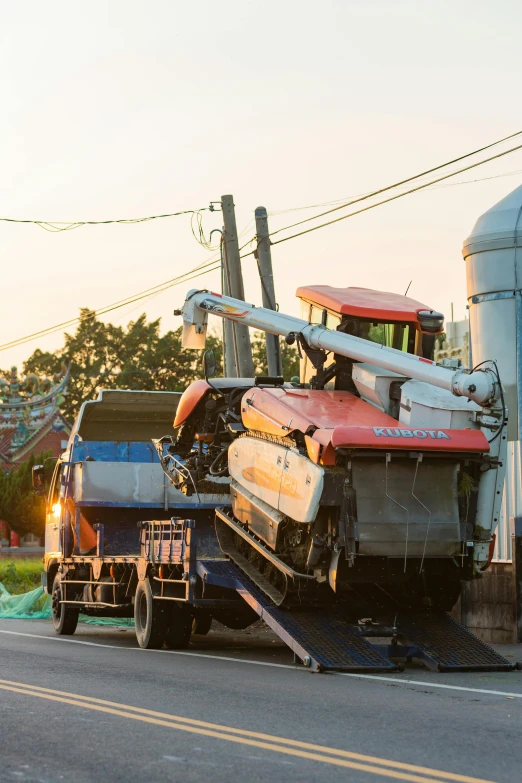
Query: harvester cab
x,y
381,317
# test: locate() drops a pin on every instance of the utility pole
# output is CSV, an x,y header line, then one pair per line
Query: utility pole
x,y
229,347
264,264
233,279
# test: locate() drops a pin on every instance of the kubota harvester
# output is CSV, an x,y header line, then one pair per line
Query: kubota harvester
x,y
374,484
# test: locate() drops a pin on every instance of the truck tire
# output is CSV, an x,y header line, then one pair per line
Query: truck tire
x,y
149,618
201,623
65,618
179,627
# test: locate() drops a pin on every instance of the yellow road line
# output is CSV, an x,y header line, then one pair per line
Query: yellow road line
x,y
287,746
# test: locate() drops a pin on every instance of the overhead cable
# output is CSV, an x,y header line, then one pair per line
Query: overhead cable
x,y
185,278
206,266
213,264
277,212
404,182
56,226
384,201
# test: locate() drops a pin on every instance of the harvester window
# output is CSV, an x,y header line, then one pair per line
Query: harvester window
x,y
332,320
399,336
317,315
394,336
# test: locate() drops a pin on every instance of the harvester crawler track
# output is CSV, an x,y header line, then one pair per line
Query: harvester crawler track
x,y
291,590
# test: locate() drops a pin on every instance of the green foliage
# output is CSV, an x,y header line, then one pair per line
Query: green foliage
x,y
289,356
465,486
105,356
20,506
20,575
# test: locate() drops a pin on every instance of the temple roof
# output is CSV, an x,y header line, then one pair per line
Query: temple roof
x,y
30,415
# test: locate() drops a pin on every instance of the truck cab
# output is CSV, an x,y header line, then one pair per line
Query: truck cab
x,y
110,478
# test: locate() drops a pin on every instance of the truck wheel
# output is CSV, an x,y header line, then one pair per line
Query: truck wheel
x,y
201,623
149,618
65,617
179,627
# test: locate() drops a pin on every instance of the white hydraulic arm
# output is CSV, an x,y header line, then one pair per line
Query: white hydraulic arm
x,y
481,386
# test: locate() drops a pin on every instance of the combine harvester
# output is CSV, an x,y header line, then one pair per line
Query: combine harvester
x,y
360,498
344,510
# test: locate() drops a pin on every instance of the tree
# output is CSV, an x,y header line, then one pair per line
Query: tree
x,y
105,356
20,506
289,356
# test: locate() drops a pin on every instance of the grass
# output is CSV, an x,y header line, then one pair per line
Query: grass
x,y
19,575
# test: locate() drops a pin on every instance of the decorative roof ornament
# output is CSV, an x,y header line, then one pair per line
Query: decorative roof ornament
x,y
29,403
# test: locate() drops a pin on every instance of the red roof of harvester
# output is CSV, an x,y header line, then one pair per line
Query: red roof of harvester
x,y
363,302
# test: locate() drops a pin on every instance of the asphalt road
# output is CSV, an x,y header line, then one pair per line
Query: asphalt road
x,y
94,707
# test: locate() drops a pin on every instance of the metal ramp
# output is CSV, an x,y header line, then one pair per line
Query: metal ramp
x,y
321,639
324,641
445,645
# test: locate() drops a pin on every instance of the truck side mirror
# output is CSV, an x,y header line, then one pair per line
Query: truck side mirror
x,y
38,477
209,363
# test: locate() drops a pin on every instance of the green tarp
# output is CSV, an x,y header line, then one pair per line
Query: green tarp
x,y
36,605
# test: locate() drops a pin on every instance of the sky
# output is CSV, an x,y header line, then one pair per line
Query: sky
x,y
123,109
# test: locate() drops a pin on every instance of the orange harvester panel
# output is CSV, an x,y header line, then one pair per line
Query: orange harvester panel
x,y
364,302
338,419
189,399
304,409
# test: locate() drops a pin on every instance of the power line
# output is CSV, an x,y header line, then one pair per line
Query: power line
x,y
384,201
56,226
212,264
206,266
403,182
277,212
185,278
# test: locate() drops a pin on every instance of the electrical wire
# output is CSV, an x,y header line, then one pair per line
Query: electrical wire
x,y
198,232
276,213
384,201
211,266
403,182
56,226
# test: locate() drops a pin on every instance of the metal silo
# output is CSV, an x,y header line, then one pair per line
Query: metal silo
x,y
493,256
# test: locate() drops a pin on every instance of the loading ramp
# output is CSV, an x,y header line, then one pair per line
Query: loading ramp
x,y
325,641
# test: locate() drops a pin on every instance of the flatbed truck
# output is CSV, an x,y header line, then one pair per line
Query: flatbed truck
x,y
122,541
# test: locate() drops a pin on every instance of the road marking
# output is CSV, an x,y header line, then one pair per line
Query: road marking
x,y
342,758
164,652
386,678
245,732
60,639
431,684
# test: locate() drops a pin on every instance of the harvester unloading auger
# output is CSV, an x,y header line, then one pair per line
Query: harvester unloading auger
x,y
375,484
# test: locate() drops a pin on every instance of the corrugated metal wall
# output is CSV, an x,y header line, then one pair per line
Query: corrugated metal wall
x,y
512,502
